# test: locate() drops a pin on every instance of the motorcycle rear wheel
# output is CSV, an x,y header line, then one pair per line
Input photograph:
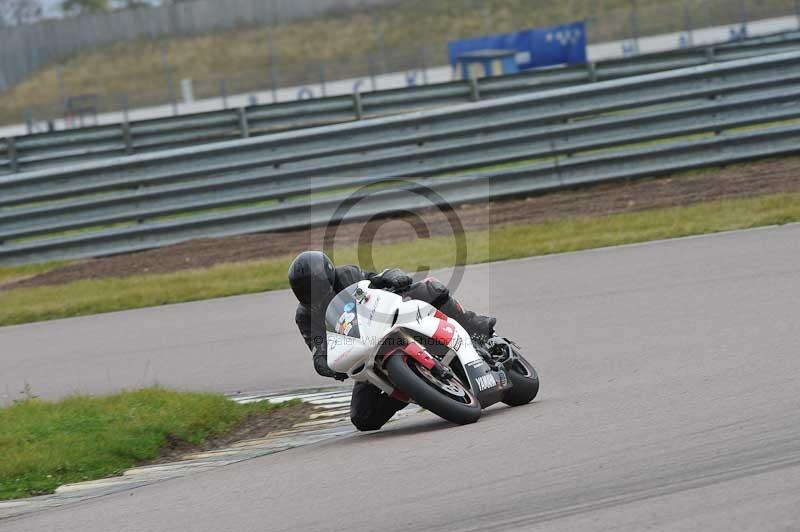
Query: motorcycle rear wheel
x,y
409,376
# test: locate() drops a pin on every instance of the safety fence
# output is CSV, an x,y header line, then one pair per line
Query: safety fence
x,y
32,152
628,128
296,43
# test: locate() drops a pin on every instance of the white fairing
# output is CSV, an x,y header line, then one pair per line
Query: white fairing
x,y
375,311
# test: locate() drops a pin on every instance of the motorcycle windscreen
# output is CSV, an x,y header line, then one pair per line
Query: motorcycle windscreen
x,y
342,314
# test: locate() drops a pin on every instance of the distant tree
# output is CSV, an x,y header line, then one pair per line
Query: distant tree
x,y
19,11
80,7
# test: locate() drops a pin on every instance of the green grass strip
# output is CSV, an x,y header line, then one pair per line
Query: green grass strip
x,y
506,242
46,444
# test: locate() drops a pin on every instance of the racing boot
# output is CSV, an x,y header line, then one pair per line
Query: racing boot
x,y
478,327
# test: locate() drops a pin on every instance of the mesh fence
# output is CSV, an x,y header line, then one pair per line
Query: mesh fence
x,y
263,45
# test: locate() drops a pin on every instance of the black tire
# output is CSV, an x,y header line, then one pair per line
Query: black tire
x,y
526,383
403,372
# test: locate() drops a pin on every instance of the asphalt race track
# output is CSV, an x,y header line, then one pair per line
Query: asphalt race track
x,y
669,402
223,345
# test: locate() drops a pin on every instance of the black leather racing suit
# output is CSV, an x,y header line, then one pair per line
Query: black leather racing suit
x,y
311,320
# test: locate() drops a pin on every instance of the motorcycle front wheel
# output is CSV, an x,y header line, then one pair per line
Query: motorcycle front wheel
x,y
526,383
450,400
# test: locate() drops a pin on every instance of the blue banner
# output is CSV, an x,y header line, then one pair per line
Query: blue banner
x,y
556,45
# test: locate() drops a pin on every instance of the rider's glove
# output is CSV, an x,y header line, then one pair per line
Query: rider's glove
x,y
340,376
392,278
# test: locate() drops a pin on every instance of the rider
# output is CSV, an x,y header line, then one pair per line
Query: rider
x,y
315,281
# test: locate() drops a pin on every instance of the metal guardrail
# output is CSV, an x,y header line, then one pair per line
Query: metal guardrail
x,y
43,150
627,128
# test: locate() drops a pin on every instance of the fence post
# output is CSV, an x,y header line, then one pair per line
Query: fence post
x,y
745,16
223,90
11,148
62,92
168,77
127,138
322,77
474,90
379,39
710,54
689,25
486,15
124,104
592,68
244,128
274,74
371,66
358,106
425,64
635,25
29,121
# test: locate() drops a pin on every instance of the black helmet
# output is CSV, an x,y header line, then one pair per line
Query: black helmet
x,y
312,275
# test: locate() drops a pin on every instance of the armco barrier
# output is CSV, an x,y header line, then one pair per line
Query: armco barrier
x,y
626,128
97,143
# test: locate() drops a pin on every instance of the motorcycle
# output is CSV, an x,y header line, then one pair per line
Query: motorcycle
x,y
414,352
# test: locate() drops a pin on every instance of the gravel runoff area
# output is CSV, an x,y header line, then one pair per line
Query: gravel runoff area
x,y
738,181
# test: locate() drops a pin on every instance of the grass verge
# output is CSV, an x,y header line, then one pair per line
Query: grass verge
x,y
15,273
506,242
46,444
